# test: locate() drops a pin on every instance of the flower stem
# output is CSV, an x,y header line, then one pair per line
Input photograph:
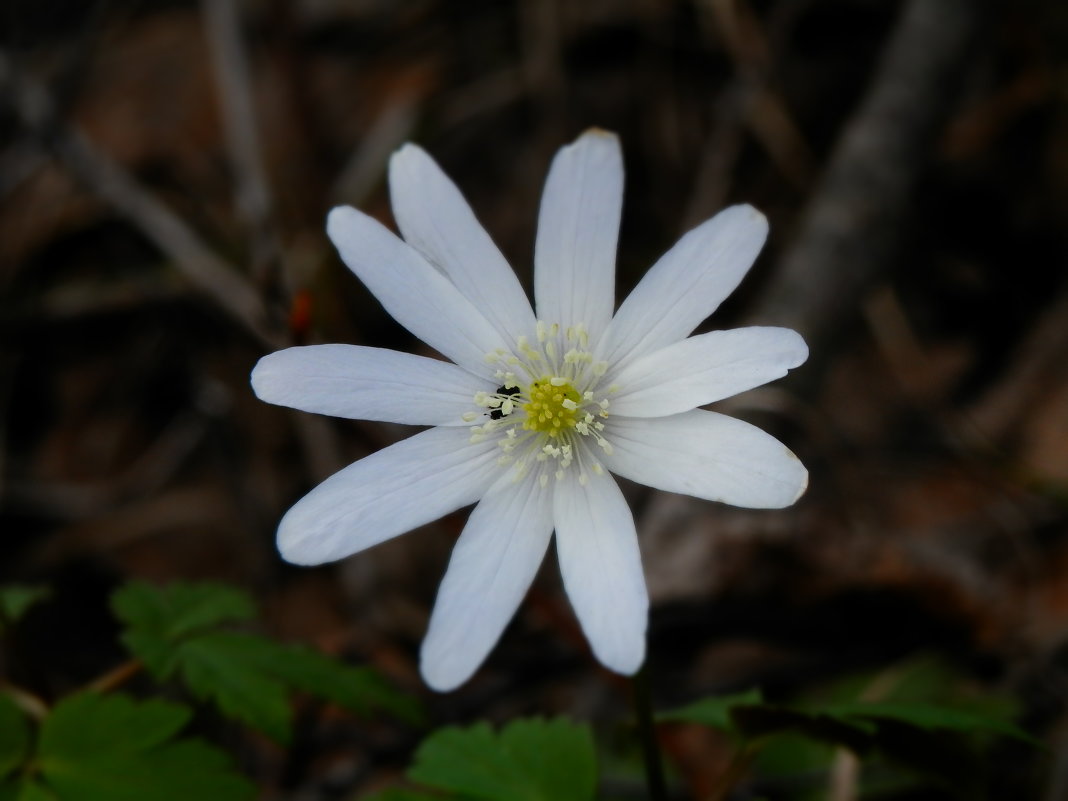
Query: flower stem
x,y
643,712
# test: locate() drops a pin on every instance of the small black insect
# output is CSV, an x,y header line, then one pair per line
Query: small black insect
x,y
497,414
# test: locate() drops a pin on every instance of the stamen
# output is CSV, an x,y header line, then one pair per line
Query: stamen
x,y
545,406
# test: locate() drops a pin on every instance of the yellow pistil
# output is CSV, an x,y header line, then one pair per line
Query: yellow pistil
x,y
552,407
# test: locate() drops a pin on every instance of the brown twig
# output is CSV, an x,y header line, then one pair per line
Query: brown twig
x,y
238,113
29,703
763,108
115,677
1040,357
100,173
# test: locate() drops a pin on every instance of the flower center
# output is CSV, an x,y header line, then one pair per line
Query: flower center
x,y
549,407
553,406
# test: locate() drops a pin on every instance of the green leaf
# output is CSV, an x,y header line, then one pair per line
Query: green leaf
x,y
25,790
176,632
226,668
357,689
930,717
530,760
765,720
798,762
748,716
399,794
111,748
250,678
14,736
180,608
714,711
157,617
16,600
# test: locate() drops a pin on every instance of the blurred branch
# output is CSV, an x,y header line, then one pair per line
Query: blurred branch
x,y
763,107
17,163
365,167
115,677
239,124
30,704
201,266
1039,357
848,232
718,159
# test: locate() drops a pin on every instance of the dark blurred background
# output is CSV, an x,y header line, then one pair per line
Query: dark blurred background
x,y
165,170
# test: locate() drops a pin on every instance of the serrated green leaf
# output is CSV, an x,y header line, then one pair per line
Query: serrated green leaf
x,y
16,600
111,748
180,609
357,689
713,711
175,632
530,760
225,668
560,753
14,736
87,724
158,618
930,717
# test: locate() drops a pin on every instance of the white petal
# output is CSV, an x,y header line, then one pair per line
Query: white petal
x,y
707,455
413,482
436,220
417,296
367,384
686,285
578,229
492,566
602,569
705,368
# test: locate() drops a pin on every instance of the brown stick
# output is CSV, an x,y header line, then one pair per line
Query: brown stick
x,y
201,266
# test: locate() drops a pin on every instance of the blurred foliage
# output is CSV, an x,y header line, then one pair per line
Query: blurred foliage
x,y
16,600
92,747
926,728
177,632
529,759
103,745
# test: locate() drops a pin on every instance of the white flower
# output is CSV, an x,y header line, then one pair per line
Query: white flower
x,y
534,412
